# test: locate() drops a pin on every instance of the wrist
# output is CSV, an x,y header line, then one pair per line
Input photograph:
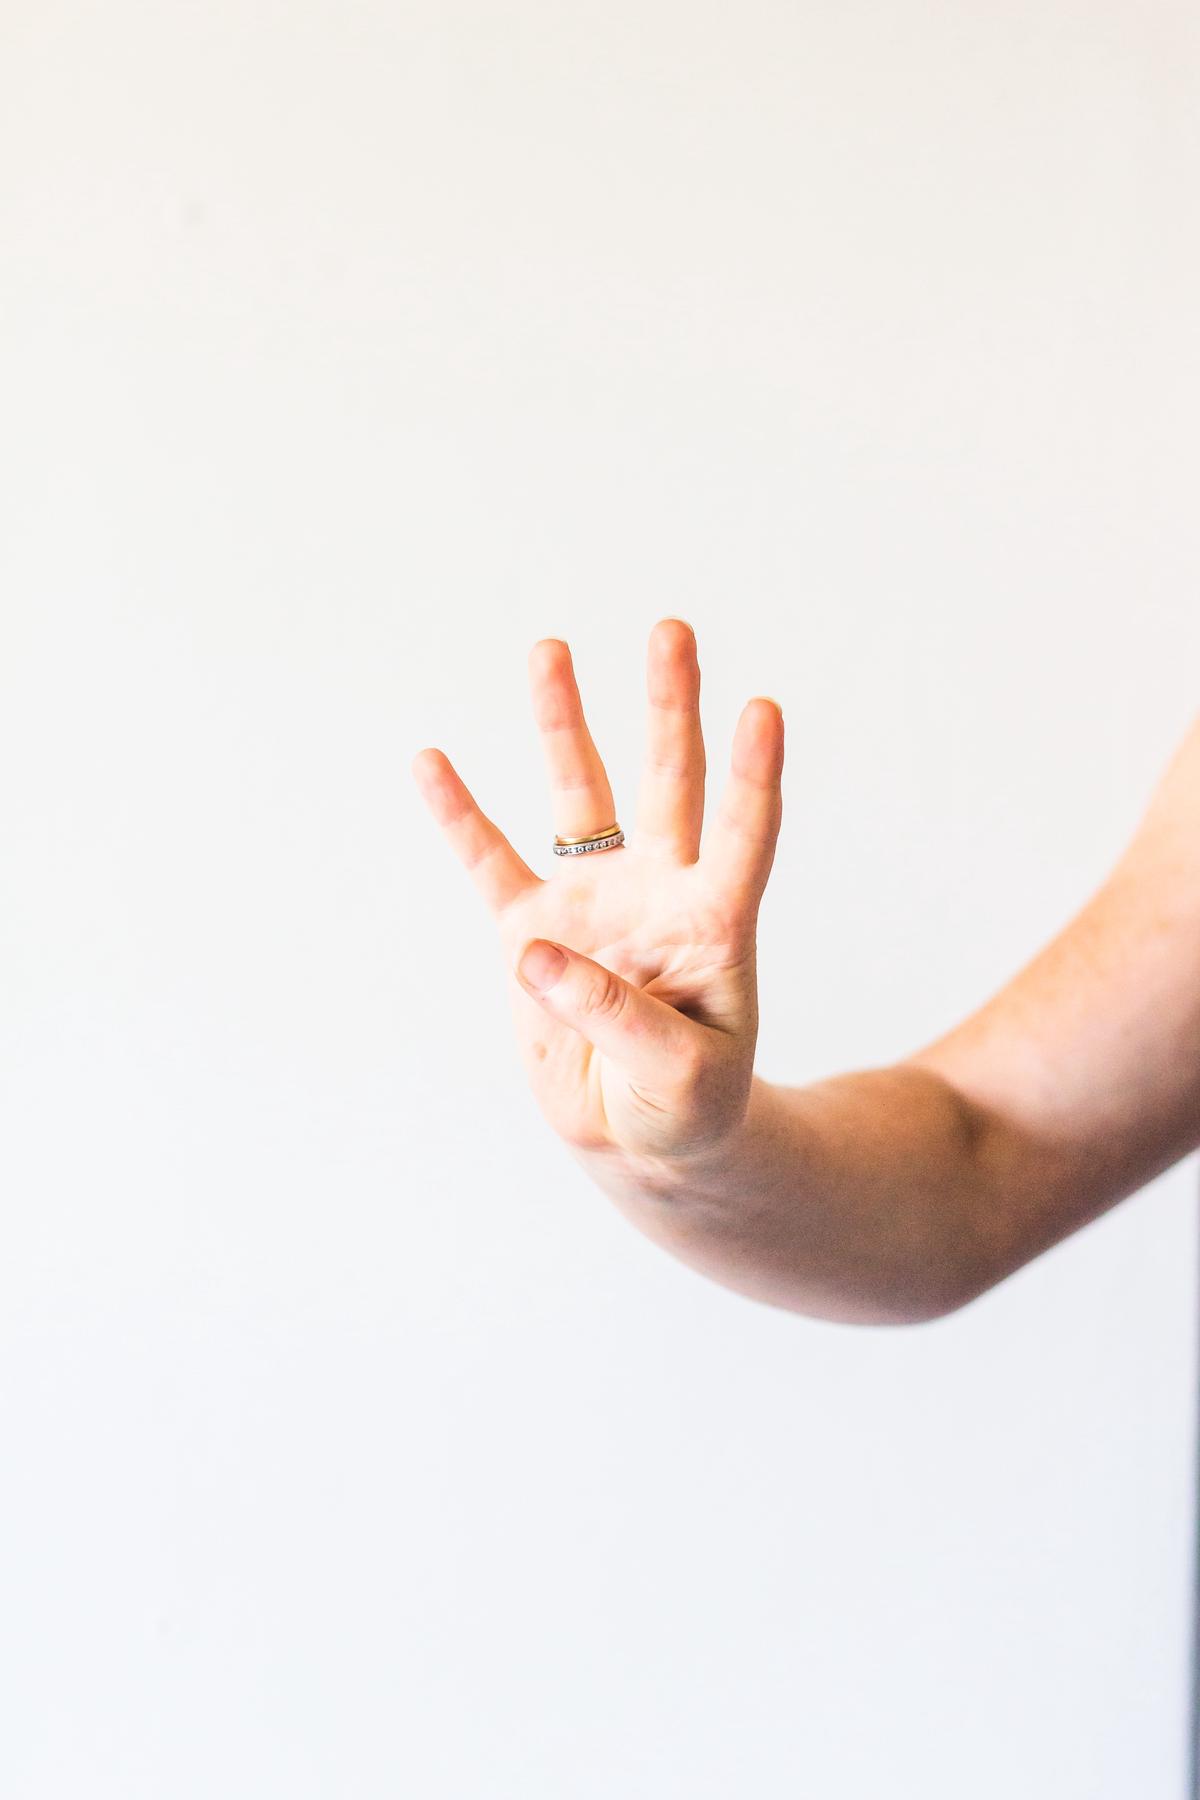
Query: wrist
x,y
706,1176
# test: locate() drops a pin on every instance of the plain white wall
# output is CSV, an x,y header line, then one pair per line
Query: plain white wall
x,y
352,1443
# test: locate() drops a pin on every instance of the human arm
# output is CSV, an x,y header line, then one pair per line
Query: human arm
x,y
890,1194
899,1193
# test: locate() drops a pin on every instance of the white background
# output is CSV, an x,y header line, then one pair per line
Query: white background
x,y
351,1443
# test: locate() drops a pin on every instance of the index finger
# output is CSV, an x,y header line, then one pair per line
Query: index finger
x,y
739,845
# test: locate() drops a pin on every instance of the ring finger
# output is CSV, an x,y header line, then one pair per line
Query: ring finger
x,y
580,796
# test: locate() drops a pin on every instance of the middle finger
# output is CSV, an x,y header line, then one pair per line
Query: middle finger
x,y
671,798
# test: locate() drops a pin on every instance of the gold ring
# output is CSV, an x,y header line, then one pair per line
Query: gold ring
x,y
590,837
611,838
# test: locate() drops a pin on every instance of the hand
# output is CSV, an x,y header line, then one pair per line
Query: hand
x,y
632,971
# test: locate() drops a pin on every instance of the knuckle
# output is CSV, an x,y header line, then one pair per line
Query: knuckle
x,y
693,1065
694,1088
712,1093
604,997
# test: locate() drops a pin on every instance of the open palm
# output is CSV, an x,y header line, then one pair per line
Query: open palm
x,y
632,970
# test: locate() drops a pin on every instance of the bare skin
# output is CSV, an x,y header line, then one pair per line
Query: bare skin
x,y
883,1195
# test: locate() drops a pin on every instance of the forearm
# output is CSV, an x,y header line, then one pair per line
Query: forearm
x,y
879,1196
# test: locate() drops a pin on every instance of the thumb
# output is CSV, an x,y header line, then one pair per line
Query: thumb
x,y
652,1042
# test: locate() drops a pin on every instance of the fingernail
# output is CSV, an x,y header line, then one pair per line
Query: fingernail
x,y
541,965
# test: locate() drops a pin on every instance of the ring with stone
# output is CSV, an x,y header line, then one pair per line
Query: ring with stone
x,y
607,839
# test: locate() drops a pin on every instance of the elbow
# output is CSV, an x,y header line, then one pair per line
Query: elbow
x,y
921,1296
891,1302
927,1309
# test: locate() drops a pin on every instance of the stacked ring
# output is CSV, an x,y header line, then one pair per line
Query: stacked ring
x,y
608,839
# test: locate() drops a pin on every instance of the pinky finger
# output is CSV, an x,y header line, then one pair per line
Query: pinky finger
x,y
495,867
